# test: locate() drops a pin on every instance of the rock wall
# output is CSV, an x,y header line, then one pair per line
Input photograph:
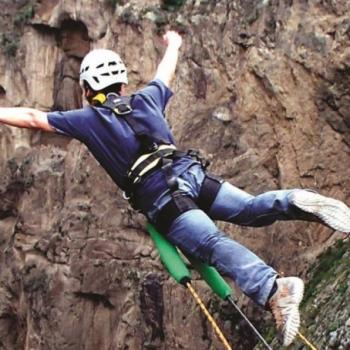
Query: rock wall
x,y
262,87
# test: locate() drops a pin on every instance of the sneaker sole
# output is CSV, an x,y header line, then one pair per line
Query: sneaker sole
x,y
290,329
331,211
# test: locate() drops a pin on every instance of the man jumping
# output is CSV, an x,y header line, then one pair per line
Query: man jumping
x,y
131,139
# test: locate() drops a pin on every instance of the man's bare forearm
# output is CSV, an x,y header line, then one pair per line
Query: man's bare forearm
x,y
167,66
23,117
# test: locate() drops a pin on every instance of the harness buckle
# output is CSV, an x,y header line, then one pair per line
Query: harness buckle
x,y
153,147
123,109
120,104
199,158
125,196
193,153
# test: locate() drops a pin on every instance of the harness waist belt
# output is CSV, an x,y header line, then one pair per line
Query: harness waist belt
x,y
149,161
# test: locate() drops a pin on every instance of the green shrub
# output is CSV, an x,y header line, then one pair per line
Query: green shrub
x,y
172,5
112,3
128,16
25,14
10,49
9,43
324,271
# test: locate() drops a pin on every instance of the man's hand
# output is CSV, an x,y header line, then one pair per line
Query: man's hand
x,y
25,118
166,69
172,38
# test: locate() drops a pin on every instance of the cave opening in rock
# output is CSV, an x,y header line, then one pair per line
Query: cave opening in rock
x,y
2,91
74,41
74,38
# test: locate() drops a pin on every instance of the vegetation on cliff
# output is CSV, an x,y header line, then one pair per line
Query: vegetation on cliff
x,y
325,309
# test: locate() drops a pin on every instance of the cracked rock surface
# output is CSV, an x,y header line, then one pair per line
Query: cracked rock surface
x,y
262,88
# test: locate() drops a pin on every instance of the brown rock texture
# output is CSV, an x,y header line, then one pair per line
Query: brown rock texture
x,y
262,87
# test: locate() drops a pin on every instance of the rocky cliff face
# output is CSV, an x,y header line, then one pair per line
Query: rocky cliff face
x,y
262,88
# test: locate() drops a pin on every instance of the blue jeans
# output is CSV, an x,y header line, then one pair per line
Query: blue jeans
x,y
195,233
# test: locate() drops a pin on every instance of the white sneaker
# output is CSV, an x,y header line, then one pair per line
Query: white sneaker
x,y
331,211
284,305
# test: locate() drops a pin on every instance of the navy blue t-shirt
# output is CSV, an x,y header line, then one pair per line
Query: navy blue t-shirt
x,y
113,143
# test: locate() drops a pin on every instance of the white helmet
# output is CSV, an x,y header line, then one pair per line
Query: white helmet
x,y
101,68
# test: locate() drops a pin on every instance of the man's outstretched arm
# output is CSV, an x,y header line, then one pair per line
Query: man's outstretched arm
x,y
22,117
166,68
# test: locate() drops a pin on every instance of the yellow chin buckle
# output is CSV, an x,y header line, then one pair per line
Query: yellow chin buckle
x,y
99,99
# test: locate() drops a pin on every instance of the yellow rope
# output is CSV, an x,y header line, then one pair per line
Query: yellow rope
x,y
210,318
306,341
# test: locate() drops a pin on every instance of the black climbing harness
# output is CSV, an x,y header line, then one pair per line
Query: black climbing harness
x,y
156,153
181,203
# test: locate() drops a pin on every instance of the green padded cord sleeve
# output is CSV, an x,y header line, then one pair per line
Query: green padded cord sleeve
x,y
170,256
177,268
218,285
